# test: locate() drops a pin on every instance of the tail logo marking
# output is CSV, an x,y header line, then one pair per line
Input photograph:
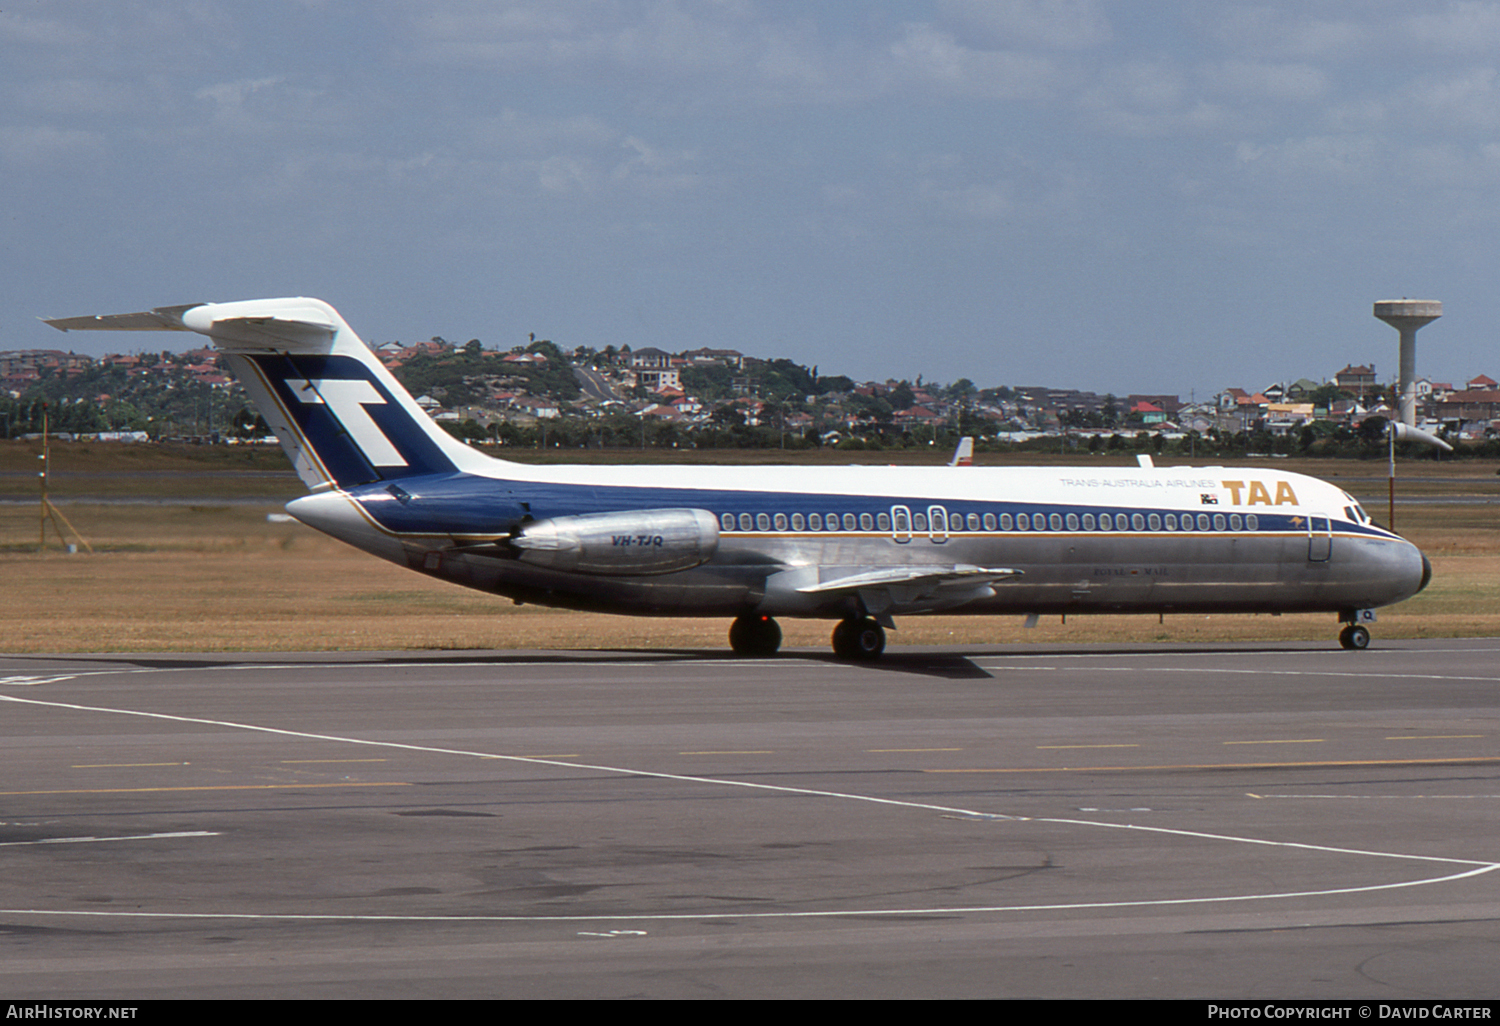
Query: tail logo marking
x,y
346,399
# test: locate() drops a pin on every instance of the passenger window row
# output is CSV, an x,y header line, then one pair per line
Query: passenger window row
x,y
907,522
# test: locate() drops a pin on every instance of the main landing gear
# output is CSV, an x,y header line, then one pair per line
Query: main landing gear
x,y
858,638
755,636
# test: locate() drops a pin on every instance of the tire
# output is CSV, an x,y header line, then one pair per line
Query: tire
x,y
1354,638
858,639
755,637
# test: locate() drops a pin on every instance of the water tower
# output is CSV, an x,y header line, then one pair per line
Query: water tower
x,y
1406,316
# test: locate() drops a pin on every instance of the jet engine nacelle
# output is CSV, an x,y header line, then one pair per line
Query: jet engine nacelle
x,y
650,541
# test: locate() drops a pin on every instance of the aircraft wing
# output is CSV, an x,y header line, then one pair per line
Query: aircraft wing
x,y
886,590
921,577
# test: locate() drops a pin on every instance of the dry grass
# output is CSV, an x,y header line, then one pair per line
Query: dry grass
x,y
197,575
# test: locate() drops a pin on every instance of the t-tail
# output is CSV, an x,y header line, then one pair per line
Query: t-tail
x,y
343,420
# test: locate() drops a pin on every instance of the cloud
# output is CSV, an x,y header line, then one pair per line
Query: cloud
x,y
1258,80
929,56
1466,26
43,145
1060,24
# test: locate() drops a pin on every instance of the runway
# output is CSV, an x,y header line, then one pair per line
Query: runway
x,y
1248,821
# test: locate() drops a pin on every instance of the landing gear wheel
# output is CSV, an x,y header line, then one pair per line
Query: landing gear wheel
x,y
1355,638
859,638
755,636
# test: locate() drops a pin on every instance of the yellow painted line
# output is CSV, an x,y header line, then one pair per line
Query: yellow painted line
x,y
1223,765
1045,748
308,762
225,787
886,750
126,765
1284,741
766,751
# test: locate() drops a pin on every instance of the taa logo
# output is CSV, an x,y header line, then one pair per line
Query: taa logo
x,y
1259,495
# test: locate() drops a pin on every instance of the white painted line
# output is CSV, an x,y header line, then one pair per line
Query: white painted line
x,y
100,840
1476,867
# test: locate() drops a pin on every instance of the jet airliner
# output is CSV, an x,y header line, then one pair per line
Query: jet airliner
x,y
856,545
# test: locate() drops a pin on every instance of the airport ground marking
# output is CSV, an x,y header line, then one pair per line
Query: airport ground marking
x,y
1372,674
173,835
1457,760
626,917
1475,867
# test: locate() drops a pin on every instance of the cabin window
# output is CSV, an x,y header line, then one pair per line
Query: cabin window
x,y
1154,522
831,522
1106,522
956,521
1219,522
903,520
973,521
866,522
798,521
919,521
883,521
747,523
1055,521
1072,521
1171,522
1252,522
989,522
1137,522
1038,522
727,521
849,522
1203,521
815,521
1088,521
780,521
762,522
1007,522
1236,522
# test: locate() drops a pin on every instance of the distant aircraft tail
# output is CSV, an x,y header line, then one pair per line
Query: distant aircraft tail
x,y
339,414
963,456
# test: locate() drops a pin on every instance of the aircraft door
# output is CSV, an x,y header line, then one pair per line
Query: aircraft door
x,y
937,522
901,523
1319,539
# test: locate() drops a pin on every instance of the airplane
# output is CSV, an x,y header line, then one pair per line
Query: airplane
x,y
858,545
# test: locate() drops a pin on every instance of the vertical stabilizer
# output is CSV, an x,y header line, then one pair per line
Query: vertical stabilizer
x,y
339,414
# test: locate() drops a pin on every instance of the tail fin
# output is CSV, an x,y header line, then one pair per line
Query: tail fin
x,y
339,414
963,456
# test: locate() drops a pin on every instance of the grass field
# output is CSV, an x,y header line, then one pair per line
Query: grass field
x,y
187,561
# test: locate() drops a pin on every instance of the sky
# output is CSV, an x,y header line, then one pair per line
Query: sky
x,y
1164,197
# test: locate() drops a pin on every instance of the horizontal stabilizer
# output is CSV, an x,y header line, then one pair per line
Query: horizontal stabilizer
x,y
164,318
252,325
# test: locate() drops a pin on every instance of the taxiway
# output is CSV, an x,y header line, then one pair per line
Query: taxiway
x,y
1248,821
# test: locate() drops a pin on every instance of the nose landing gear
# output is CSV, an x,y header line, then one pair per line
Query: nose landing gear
x,y
1354,637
